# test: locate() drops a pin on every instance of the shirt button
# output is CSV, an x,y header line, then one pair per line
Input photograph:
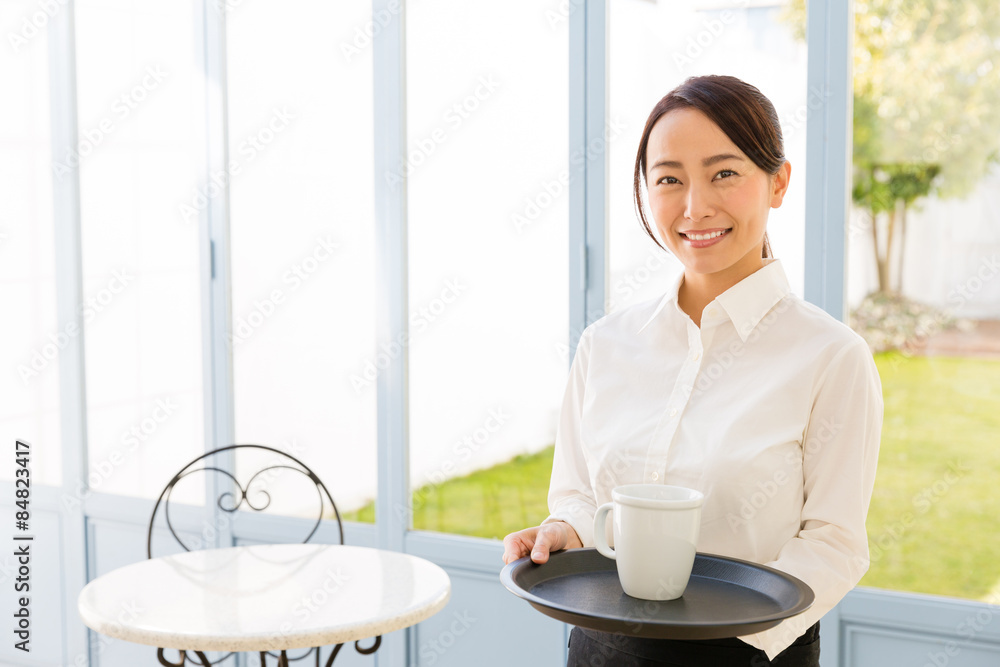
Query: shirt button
x,y
673,412
655,476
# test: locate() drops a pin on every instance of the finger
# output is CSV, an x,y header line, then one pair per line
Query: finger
x,y
540,551
514,549
509,556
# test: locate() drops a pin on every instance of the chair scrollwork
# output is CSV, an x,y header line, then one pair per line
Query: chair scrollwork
x,y
255,499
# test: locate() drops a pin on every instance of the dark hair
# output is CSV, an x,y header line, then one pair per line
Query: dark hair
x,y
740,110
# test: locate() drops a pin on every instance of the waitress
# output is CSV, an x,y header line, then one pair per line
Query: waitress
x,y
728,384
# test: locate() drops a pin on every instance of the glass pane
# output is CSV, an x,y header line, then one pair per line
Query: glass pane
x,y
488,237
32,340
924,242
303,246
655,46
137,83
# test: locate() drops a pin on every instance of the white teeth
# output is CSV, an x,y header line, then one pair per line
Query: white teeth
x,y
705,237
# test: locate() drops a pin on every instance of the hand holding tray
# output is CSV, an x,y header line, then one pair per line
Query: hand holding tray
x,y
725,597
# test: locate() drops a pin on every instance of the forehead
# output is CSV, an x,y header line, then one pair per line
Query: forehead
x,y
687,135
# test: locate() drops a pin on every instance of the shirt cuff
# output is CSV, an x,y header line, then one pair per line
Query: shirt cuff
x,y
580,518
775,640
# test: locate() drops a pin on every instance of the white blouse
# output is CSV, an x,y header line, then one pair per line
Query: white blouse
x,y
773,409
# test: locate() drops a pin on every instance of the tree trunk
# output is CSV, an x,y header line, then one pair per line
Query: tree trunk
x,y
902,245
883,276
880,271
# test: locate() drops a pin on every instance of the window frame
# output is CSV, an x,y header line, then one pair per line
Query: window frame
x,y
829,42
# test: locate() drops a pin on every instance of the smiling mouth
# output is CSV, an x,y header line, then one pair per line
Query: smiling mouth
x,y
706,235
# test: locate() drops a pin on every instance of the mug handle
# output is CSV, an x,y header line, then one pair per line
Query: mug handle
x,y
600,530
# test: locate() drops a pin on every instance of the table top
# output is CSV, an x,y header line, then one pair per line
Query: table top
x,y
264,597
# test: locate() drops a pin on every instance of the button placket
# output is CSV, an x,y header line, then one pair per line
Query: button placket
x,y
666,429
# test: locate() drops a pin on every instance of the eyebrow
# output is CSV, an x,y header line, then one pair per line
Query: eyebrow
x,y
707,162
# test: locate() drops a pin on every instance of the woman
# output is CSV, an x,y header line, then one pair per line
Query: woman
x,y
728,384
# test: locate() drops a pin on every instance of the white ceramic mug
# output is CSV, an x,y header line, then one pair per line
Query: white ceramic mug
x,y
656,535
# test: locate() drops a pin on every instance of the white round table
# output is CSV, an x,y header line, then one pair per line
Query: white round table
x,y
264,598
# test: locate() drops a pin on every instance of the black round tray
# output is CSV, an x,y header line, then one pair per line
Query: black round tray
x,y
725,597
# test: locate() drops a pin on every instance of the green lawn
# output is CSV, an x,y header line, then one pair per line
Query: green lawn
x,y
933,519
932,525
487,503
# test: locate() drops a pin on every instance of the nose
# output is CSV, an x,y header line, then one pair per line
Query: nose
x,y
698,202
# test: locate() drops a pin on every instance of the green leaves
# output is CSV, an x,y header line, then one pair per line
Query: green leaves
x,y
883,184
926,89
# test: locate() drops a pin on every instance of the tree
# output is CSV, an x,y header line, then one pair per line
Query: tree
x,y
891,189
926,106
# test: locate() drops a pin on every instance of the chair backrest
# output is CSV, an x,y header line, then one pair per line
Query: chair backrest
x,y
286,461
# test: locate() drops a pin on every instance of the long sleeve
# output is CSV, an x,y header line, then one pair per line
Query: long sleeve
x,y
839,457
571,495
771,407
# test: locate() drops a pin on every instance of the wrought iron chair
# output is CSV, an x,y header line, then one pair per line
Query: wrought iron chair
x,y
287,461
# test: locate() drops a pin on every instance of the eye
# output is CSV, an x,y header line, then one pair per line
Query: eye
x,y
725,173
669,179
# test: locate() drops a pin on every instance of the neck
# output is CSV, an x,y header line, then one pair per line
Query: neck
x,y
699,289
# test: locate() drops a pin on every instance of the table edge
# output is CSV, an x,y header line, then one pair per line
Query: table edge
x,y
269,642
259,641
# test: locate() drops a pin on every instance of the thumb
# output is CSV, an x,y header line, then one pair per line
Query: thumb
x,y
540,550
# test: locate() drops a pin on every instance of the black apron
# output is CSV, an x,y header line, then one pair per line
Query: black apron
x,y
590,648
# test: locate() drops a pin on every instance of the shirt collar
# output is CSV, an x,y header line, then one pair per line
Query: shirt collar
x,y
747,302
668,297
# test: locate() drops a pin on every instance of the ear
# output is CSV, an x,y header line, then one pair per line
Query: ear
x,y
779,184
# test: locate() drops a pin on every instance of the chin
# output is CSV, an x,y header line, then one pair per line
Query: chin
x,y
702,268
706,265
